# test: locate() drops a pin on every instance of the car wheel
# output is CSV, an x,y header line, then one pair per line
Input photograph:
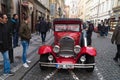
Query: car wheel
x,y
43,58
90,59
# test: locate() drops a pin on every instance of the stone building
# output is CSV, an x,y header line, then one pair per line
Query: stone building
x,y
33,8
56,8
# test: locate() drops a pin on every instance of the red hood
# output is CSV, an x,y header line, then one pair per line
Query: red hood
x,y
74,35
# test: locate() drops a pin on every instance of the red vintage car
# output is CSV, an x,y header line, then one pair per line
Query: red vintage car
x,y
67,51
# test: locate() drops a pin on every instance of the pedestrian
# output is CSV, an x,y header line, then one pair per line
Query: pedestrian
x,y
4,43
43,29
99,29
102,32
25,35
89,33
37,27
15,29
49,25
106,28
116,38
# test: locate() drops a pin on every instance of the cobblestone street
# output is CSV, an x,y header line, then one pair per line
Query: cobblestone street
x,y
106,68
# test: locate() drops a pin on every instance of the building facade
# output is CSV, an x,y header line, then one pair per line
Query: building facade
x,y
81,9
66,11
33,8
96,10
100,10
56,8
73,9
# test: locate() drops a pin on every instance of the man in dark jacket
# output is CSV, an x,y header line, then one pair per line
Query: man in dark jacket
x,y
4,43
43,29
116,39
89,33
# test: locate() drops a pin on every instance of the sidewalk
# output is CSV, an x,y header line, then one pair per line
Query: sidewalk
x,y
35,42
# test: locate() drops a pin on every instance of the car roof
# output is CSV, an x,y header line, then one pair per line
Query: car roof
x,y
67,19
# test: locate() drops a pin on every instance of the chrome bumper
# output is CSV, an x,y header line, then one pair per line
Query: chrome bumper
x,y
73,65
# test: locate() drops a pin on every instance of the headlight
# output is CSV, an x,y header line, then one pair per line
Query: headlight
x,y
50,57
77,49
56,49
83,59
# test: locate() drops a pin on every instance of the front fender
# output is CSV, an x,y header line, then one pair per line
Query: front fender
x,y
45,49
88,50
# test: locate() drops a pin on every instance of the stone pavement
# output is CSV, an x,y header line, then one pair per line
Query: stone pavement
x,y
35,43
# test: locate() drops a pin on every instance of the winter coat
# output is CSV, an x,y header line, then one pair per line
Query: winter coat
x,y
99,27
14,24
106,28
25,32
43,26
4,37
102,28
116,35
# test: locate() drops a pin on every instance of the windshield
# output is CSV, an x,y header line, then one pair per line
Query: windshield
x,y
67,27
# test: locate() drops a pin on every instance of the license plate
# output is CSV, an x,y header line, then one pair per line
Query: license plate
x,y
64,66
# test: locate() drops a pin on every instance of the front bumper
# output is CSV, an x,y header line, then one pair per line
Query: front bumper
x,y
67,66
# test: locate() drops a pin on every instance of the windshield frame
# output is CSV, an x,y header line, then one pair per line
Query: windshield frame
x,y
67,27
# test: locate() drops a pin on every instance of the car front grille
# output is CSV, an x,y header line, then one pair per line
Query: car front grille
x,y
66,46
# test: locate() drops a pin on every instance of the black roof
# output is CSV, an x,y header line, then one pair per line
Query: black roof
x,y
67,19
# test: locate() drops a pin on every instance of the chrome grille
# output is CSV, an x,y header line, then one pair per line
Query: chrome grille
x,y
66,46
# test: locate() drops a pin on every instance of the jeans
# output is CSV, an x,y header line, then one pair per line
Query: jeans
x,y
25,45
118,52
15,39
43,36
6,62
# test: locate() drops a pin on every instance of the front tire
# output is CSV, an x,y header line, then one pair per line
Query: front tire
x,y
89,60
